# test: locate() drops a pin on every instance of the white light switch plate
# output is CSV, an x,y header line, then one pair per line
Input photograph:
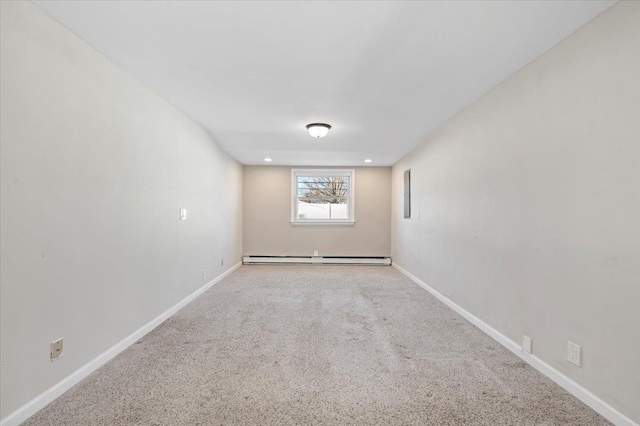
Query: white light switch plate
x,y
183,214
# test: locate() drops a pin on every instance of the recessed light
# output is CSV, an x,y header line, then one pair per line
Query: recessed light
x,y
268,160
368,160
318,130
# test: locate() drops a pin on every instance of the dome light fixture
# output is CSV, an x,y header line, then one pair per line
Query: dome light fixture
x,y
318,130
268,160
368,160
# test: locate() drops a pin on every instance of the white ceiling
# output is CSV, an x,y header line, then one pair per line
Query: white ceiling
x,y
384,74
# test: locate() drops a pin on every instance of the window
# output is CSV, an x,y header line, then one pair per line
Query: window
x,y
322,197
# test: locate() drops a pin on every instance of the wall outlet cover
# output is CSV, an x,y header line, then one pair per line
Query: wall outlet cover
x,y
183,214
56,349
526,344
574,353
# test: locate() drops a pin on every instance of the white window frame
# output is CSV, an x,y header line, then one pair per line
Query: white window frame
x,y
295,173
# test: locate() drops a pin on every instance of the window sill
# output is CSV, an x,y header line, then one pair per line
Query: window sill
x,y
323,222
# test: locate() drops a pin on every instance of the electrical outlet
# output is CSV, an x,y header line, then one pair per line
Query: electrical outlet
x,y
526,344
56,349
315,253
574,353
204,274
183,214
221,262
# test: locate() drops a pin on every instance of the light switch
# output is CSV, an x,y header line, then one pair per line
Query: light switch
x,y
183,214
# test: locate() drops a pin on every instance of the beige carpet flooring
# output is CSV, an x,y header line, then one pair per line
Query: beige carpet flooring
x,y
324,345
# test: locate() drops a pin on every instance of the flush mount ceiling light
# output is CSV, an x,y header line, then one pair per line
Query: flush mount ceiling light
x,y
268,160
318,130
368,160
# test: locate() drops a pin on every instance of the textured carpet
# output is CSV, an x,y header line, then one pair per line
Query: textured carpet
x,y
289,345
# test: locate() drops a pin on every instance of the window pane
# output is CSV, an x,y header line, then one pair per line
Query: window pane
x,y
320,209
330,188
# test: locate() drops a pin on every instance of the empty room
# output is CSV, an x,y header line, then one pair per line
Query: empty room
x,y
320,212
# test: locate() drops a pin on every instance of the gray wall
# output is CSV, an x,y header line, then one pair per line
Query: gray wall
x,y
95,168
529,204
267,216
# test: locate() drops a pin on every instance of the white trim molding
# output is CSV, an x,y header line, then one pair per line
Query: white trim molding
x,y
583,394
307,260
49,395
334,222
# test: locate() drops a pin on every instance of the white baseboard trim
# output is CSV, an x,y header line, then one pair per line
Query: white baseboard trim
x,y
48,396
315,260
583,394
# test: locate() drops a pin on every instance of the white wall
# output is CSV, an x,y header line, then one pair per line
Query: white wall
x,y
95,168
529,204
267,228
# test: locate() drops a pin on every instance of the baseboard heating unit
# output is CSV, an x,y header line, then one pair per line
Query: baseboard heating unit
x,y
315,260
